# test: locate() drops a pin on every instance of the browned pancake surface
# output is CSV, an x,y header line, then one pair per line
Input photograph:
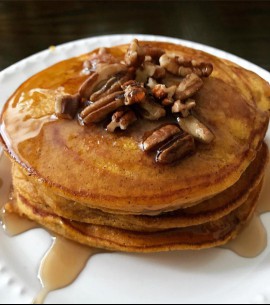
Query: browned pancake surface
x,y
208,235
208,210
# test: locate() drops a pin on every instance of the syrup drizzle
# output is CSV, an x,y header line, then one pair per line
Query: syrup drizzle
x,y
264,201
5,178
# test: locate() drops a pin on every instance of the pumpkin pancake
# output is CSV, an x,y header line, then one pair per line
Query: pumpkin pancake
x,y
109,171
208,210
203,236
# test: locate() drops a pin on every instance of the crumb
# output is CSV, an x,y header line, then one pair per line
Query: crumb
x,y
52,48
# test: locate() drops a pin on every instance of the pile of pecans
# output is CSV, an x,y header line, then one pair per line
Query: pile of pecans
x,y
149,84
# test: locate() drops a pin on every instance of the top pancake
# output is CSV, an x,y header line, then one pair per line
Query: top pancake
x,y
109,171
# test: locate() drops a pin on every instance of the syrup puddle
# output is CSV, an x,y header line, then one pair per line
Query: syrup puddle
x,y
53,272
251,241
11,223
14,225
61,266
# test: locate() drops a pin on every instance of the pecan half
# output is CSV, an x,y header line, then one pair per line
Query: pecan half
x,y
197,129
109,84
179,147
66,106
188,87
122,119
151,110
112,85
96,112
98,78
96,59
158,136
183,108
134,92
202,69
136,53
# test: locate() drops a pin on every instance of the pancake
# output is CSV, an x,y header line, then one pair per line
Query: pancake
x,y
110,172
208,235
80,177
209,210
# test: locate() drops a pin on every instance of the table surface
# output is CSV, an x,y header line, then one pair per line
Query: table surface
x,y
238,27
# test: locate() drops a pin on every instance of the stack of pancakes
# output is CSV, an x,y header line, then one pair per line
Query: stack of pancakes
x,y
100,189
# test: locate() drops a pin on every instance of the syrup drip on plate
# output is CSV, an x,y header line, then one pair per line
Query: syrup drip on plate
x,y
61,266
12,223
251,241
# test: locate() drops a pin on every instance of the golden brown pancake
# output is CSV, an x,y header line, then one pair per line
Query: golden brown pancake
x,y
110,172
208,235
208,210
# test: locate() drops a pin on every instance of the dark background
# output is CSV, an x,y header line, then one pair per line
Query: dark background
x,y
239,27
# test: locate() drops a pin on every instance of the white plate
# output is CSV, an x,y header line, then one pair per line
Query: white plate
x,y
209,276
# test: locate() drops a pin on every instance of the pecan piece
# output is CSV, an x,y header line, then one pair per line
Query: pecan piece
x,y
96,112
158,136
169,63
167,102
178,148
197,129
134,92
151,83
149,69
188,87
183,108
98,78
66,106
122,119
182,67
161,92
136,53
151,110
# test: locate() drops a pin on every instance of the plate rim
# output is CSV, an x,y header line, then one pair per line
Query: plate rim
x,y
189,43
